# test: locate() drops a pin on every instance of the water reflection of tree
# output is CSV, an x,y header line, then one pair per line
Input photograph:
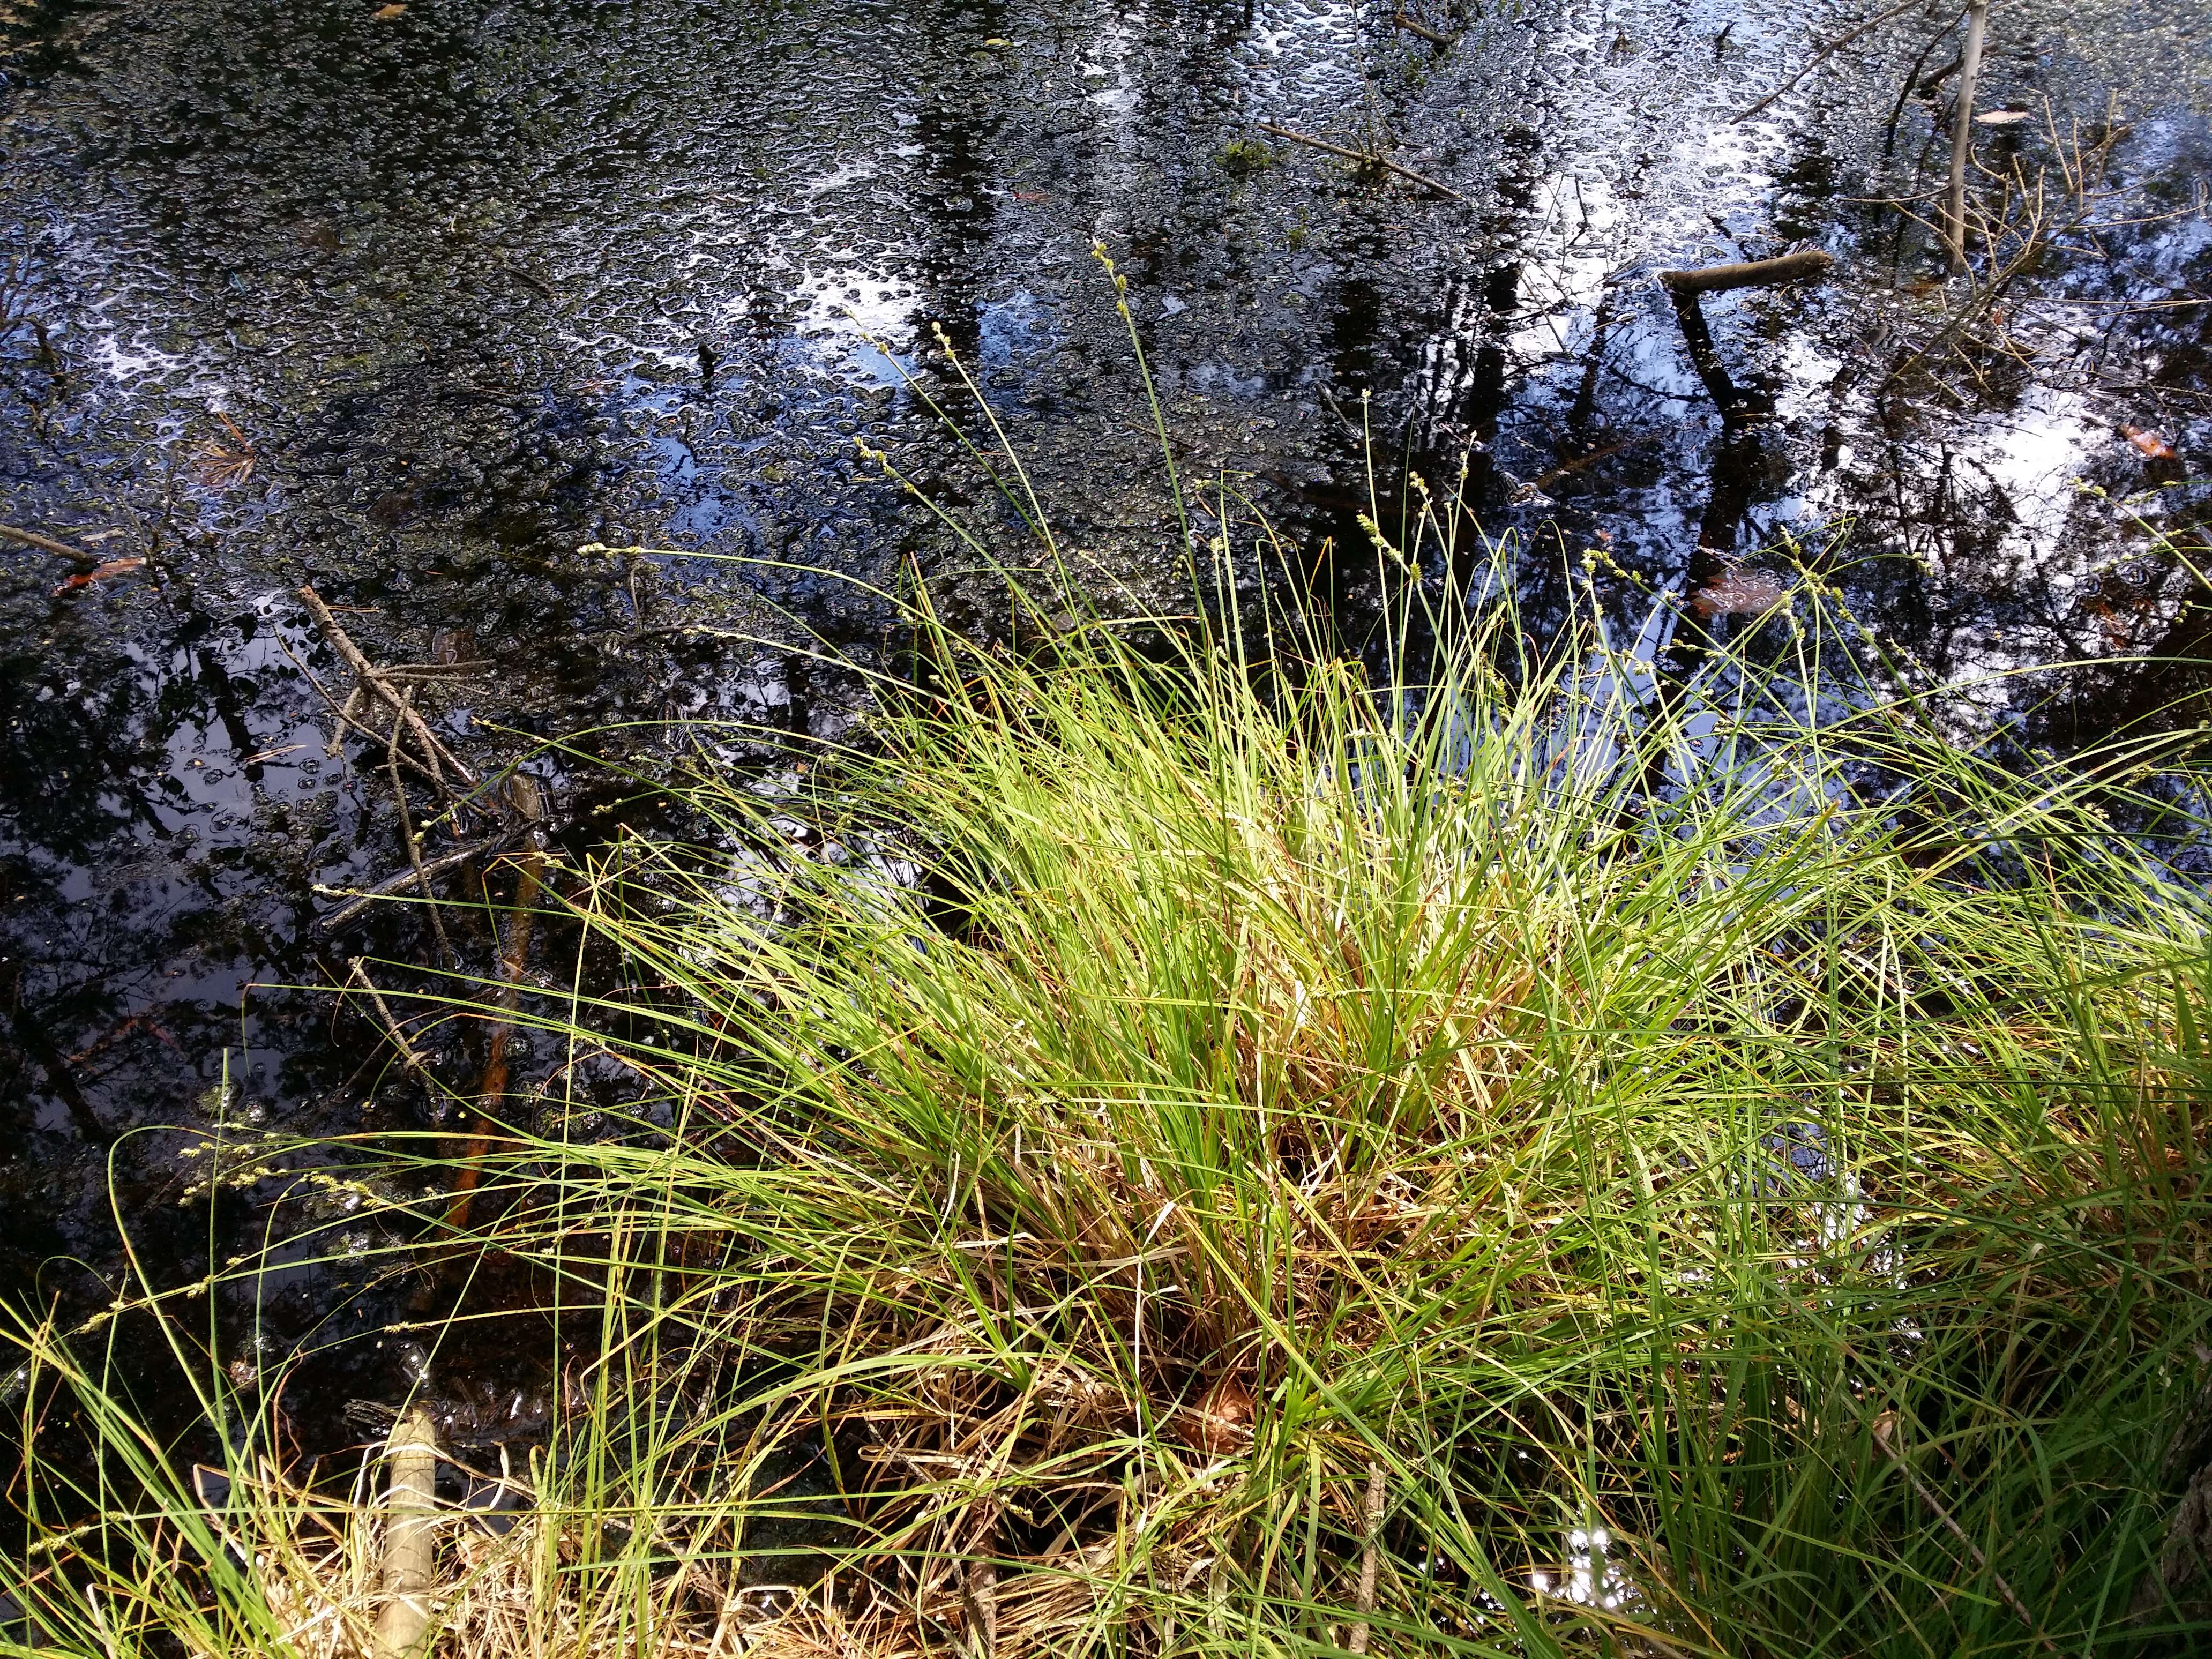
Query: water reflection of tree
x,y
956,127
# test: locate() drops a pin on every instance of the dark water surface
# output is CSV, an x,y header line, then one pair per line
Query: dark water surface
x,y
413,307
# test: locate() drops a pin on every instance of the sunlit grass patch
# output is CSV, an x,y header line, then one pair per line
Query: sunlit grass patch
x,y
1186,1150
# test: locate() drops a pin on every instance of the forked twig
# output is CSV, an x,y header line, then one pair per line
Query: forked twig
x,y
374,685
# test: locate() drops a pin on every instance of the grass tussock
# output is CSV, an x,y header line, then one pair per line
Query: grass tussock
x,y
1172,1153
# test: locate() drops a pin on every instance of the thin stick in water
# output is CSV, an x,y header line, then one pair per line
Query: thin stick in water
x,y
1414,26
47,544
1882,1426
1365,158
1830,50
413,1061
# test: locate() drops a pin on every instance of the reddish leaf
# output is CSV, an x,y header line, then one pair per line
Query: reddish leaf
x,y
2155,448
99,572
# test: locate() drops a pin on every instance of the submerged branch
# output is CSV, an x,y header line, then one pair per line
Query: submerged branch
x,y
1365,158
48,544
1830,50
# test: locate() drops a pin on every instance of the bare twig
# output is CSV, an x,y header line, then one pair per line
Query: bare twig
x,y
413,1061
1414,26
362,897
48,544
407,835
1370,1556
1830,50
1882,1425
1365,158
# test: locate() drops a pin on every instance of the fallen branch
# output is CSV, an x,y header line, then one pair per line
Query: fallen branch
x,y
375,685
411,1454
362,897
1755,273
48,544
1830,50
1365,158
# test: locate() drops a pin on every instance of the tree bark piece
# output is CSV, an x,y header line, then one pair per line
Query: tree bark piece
x,y
2183,1572
410,1458
1755,273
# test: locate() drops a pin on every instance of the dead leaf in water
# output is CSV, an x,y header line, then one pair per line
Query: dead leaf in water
x,y
224,466
385,14
2000,118
99,572
1740,593
2152,446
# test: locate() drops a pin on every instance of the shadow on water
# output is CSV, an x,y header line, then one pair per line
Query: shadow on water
x,y
415,307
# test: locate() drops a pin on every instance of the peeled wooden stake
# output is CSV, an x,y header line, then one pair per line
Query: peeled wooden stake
x,y
1755,273
410,1461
